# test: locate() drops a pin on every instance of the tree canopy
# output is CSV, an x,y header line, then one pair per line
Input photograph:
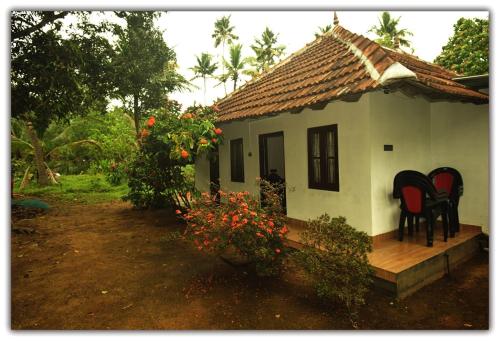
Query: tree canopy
x,y
53,77
223,33
387,31
267,51
144,66
467,50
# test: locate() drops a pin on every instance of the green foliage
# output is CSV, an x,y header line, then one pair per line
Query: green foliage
x,y
267,52
144,66
323,30
157,174
239,222
235,66
223,33
56,73
387,31
90,143
467,51
335,259
82,188
204,69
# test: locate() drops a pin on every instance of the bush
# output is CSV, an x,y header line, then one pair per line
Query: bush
x,y
335,258
161,174
241,223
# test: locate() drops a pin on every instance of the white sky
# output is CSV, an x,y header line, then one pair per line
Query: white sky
x,y
189,33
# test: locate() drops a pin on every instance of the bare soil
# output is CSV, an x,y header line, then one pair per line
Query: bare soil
x,y
108,266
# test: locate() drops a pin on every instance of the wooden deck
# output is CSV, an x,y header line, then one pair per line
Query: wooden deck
x,y
404,267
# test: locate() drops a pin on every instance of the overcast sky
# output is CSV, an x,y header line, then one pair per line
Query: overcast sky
x,y
190,33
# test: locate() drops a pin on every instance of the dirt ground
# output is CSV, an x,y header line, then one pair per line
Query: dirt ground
x,y
108,266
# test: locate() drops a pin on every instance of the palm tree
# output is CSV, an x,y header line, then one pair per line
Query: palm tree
x,y
205,68
223,33
235,65
266,50
323,30
49,147
388,31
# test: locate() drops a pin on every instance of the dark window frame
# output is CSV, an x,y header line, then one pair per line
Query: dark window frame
x,y
237,171
323,184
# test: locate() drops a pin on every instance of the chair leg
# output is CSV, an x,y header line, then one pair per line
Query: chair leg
x,y
452,219
444,216
430,228
402,219
410,225
417,223
457,221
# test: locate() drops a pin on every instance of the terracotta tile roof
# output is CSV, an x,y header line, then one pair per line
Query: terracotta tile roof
x,y
335,66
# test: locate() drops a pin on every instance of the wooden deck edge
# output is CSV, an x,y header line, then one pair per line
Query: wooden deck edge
x,y
434,268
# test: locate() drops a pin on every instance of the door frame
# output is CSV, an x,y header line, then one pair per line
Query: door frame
x,y
263,162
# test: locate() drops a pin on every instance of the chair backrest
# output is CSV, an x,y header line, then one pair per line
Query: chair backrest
x,y
412,188
448,179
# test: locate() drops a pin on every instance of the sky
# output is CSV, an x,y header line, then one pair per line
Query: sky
x,y
189,33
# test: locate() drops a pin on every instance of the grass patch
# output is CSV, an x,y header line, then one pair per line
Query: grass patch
x,y
83,188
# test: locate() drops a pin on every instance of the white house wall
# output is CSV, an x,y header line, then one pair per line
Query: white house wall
x,y
353,199
404,123
460,139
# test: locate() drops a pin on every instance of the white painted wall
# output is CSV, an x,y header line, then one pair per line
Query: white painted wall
x,y
460,139
353,199
403,122
424,136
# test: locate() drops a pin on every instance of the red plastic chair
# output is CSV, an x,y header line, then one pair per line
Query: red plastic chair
x,y
419,197
450,180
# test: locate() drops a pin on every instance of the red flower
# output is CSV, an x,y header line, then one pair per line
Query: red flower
x,y
184,154
284,230
151,121
218,131
235,218
271,223
260,235
277,250
178,212
144,133
214,140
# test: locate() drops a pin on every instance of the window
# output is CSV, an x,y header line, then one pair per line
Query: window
x,y
236,150
322,155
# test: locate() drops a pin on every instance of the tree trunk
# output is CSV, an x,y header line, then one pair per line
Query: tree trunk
x,y
137,116
43,179
223,69
204,90
234,84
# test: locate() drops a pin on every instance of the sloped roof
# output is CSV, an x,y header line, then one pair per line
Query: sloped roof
x,y
340,65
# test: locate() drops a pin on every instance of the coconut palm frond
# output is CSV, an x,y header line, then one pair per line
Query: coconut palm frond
x,y
74,144
16,142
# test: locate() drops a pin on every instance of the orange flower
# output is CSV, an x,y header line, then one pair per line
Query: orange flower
x,y
144,133
184,154
235,218
178,212
188,115
151,121
270,223
218,131
203,141
284,230
260,235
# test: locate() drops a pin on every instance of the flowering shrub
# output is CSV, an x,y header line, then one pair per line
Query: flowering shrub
x,y
169,141
335,258
239,222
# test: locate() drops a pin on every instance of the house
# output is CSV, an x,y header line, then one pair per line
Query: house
x,y
339,118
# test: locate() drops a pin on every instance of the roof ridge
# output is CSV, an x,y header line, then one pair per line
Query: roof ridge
x,y
412,56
